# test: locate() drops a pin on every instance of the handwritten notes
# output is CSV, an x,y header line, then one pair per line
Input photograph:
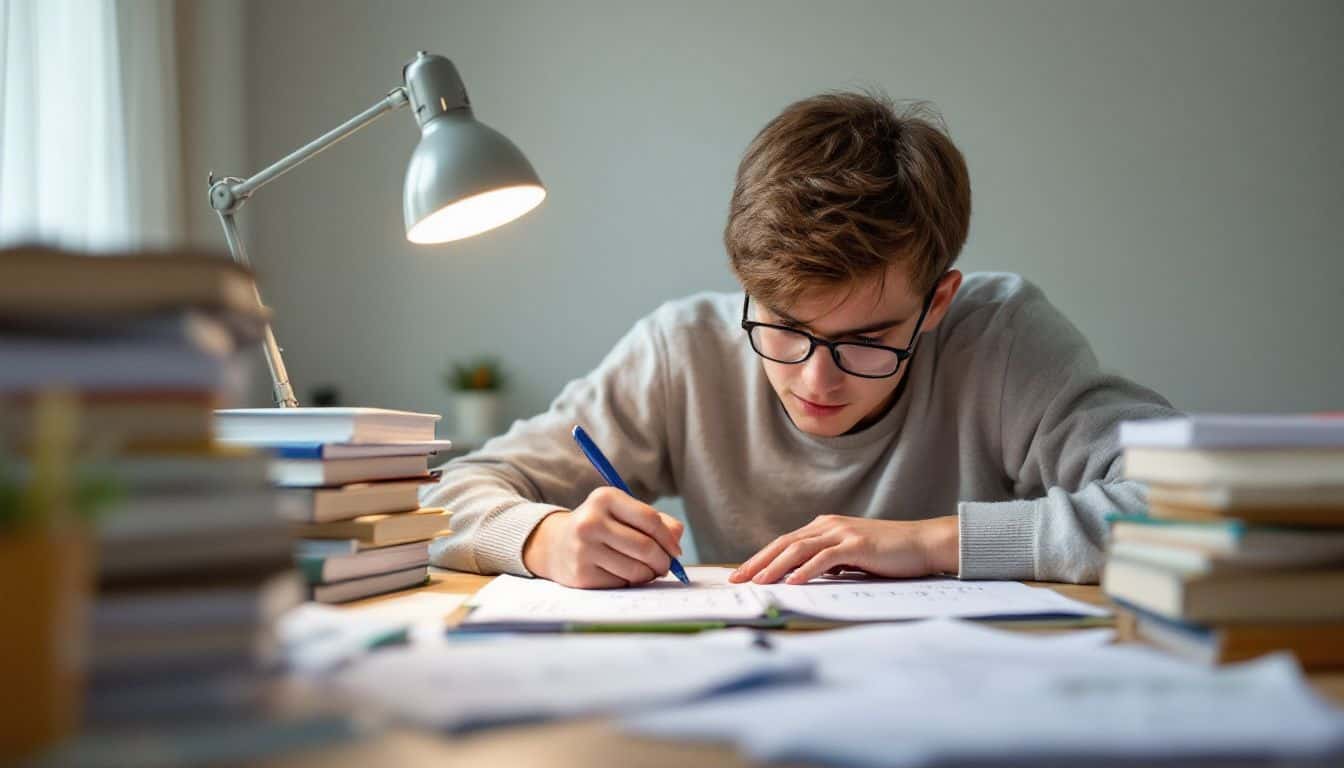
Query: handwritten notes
x,y
711,598
921,599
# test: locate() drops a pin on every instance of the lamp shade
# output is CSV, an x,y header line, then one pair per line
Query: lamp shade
x,y
465,178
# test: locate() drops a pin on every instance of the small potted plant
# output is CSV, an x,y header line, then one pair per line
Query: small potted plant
x,y
478,387
47,560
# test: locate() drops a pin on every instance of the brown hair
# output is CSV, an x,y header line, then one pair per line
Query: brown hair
x,y
838,187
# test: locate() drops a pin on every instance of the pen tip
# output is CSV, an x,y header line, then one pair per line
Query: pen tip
x,y
680,573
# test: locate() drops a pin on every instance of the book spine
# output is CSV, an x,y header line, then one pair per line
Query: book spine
x,y
312,568
299,451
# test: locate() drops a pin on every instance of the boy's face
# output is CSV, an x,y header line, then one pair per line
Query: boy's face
x,y
819,397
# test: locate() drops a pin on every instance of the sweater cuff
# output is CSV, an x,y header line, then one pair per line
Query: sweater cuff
x,y
998,539
499,540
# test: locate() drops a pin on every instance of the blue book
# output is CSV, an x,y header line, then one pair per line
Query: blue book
x,y
317,450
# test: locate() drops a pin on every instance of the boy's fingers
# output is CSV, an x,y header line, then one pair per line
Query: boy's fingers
x,y
673,525
637,546
623,567
820,563
763,558
642,517
793,556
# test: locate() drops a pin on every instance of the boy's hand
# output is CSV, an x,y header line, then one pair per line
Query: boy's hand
x,y
891,548
610,540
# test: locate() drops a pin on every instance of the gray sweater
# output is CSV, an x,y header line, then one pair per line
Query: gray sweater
x,y
1005,420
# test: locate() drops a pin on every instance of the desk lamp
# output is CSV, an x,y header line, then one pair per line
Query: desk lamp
x,y
464,177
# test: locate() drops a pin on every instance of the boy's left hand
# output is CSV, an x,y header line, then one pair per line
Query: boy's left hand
x,y
891,548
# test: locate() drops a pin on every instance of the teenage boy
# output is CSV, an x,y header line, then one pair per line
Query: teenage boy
x,y
861,404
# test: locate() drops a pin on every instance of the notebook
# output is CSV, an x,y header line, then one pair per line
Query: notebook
x,y
510,602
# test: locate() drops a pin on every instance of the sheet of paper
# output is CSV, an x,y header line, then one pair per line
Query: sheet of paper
x,y
708,598
853,653
1006,704
921,599
317,637
472,683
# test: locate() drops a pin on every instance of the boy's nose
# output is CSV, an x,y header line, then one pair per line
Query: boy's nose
x,y
820,373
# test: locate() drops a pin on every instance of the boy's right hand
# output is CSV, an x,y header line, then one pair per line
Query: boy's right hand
x,y
610,540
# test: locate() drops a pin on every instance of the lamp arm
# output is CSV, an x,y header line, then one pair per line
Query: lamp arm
x,y
229,193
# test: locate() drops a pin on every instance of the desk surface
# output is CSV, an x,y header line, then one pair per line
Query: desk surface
x,y
579,743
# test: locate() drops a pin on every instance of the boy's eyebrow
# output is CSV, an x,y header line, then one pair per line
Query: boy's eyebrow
x,y
870,328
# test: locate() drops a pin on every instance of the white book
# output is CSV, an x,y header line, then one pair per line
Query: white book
x,y
1228,430
313,473
1259,467
268,426
314,450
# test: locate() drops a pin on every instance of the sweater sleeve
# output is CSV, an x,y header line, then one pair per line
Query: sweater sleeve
x,y
1059,417
500,493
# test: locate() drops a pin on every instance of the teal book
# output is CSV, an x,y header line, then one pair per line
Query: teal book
x,y
324,569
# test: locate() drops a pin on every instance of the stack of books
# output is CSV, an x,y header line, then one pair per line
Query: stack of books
x,y
349,480
192,559
1242,552
150,344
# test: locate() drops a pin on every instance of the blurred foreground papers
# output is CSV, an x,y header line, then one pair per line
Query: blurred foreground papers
x,y
479,682
945,692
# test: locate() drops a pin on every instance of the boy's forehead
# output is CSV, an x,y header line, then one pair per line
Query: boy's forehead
x,y
872,299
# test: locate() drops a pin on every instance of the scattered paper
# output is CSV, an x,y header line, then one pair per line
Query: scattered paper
x,y
472,683
946,693
853,654
317,637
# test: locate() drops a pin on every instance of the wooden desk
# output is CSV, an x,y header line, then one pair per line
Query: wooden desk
x,y
578,743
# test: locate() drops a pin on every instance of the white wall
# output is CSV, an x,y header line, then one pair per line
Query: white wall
x,y
1168,172
211,91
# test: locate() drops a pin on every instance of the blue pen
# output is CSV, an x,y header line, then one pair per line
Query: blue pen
x,y
608,473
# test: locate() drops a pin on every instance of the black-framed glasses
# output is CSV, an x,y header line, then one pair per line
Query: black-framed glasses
x,y
791,346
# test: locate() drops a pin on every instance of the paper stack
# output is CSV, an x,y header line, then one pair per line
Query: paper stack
x,y
1243,550
349,480
191,559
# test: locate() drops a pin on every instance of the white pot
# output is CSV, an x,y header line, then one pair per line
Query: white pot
x,y
478,415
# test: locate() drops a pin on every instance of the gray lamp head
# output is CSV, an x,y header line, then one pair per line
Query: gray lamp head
x,y
464,177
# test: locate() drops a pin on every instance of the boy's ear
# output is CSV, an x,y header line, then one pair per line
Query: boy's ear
x,y
943,294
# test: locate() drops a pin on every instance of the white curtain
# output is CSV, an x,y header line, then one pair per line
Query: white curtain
x,y
90,154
